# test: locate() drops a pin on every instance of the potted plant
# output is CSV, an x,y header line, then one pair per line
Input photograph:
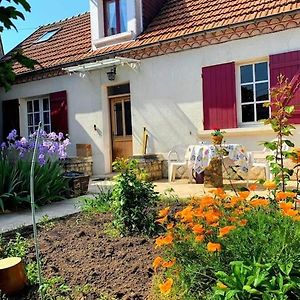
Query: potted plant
x,y
217,136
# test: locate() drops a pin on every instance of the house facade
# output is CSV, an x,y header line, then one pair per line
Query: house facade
x,y
177,68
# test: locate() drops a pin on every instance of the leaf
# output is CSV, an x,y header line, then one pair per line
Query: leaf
x,y
289,109
289,143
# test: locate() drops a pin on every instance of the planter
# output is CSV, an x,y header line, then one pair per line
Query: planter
x,y
78,183
217,139
12,275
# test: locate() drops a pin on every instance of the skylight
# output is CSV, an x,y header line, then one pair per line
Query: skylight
x,y
46,36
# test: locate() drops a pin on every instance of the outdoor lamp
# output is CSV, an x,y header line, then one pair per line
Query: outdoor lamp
x,y
111,74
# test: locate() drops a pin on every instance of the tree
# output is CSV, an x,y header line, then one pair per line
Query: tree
x,y
8,14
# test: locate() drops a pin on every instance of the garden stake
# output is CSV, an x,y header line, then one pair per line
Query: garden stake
x,y
37,252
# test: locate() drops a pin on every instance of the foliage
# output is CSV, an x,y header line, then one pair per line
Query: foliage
x,y
31,270
54,288
46,223
134,199
99,203
282,111
257,281
218,228
8,14
17,247
217,132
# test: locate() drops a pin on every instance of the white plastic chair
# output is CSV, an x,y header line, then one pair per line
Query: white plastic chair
x,y
178,156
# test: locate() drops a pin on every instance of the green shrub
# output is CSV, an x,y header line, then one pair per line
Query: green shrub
x,y
134,199
17,247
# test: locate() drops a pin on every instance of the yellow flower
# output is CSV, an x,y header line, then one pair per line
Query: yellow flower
x,y
213,247
270,185
165,288
156,263
225,230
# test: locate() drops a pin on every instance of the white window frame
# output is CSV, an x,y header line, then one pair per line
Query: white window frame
x,y
239,93
41,112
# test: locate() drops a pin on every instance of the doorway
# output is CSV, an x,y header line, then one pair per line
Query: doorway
x,y
121,126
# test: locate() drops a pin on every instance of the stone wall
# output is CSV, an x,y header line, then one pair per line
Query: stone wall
x,y
152,164
79,164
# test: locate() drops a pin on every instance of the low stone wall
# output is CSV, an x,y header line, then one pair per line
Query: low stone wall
x,y
79,164
152,164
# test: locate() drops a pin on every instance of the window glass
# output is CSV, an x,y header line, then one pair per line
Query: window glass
x,y
261,71
247,74
36,105
29,106
247,93
118,90
123,15
128,123
46,36
262,91
248,113
118,119
262,112
111,17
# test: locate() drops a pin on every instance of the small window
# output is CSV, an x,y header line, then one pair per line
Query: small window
x,y
115,16
38,110
46,36
254,92
116,90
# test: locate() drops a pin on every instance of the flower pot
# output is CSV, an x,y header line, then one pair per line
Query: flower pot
x,y
217,139
12,275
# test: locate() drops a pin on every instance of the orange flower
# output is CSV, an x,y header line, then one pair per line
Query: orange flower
x,y
252,187
165,288
243,222
206,201
186,214
221,285
164,212
290,212
198,229
170,226
169,264
211,216
198,212
225,230
284,195
296,218
213,247
286,205
214,224
219,192
164,240
156,263
199,238
232,219
235,200
162,220
244,194
270,185
259,202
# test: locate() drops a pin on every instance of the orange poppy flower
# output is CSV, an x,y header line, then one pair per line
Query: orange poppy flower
x,y
213,247
164,240
286,205
198,212
186,214
165,288
259,202
198,229
206,201
243,222
199,238
290,212
225,230
211,216
162,220
168,264
284,195
164,212
252,187
170,226
270,185
244,194
157,262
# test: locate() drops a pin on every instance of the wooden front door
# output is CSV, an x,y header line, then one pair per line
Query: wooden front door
x,y
121,126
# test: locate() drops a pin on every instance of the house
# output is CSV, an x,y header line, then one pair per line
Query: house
x,y
175,67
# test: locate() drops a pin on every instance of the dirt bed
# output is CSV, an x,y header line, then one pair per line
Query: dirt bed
x,y
80,250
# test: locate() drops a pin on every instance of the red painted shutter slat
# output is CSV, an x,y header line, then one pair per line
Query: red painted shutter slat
x,y
59,112
287,64
219,96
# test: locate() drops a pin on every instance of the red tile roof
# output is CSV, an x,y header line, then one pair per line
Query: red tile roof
x,y
176,19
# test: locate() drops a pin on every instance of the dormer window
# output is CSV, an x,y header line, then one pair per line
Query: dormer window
x,y
115,16
47,35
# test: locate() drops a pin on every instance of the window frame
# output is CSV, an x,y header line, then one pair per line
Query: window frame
x,y
41,112
254,82
118,17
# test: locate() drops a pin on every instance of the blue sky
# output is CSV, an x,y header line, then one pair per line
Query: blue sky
x,y
42,12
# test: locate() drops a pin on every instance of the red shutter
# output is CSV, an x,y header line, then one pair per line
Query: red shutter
x,y
59,112
287,64
219,96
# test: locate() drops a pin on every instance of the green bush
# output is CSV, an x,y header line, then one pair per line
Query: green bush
x,y
134,199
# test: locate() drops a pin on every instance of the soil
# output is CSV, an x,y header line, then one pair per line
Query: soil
x,y
80,250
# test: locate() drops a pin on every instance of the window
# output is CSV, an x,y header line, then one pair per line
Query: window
x,y
115,16
38,110
121,117
46,36
254,92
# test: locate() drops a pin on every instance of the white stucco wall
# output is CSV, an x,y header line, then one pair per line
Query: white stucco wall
x,y
166,97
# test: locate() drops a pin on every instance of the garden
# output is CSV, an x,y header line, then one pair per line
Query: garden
x,y
129,242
